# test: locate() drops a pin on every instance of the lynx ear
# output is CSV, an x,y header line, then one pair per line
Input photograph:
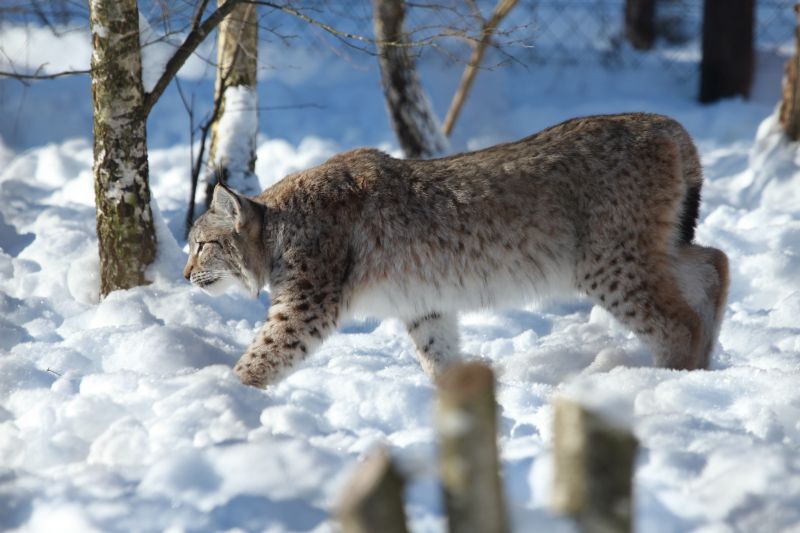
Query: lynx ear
x,y
242,212
227,203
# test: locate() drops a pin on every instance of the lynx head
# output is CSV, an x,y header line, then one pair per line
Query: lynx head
x,y
225,247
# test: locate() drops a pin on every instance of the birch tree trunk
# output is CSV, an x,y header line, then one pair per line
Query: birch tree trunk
x,y
233,134
411,113
125,230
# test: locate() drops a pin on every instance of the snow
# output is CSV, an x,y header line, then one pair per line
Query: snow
x,y
124,414
236,137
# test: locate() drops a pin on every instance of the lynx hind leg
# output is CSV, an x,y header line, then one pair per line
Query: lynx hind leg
x,y
644,295
702,274
435,336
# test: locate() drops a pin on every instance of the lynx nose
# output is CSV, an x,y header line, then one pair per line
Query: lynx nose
x,y
187,271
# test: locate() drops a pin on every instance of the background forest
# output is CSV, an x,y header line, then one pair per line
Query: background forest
x,y
118,407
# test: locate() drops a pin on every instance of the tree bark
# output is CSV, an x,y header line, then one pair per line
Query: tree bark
x,y
727,66
232,154
125,230
640,23
790,103
410,110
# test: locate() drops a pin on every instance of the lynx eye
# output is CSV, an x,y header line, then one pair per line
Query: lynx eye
x,y
201,244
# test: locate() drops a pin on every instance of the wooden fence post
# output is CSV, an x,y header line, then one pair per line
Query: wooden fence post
x,y
726,68
594,464
640,23
373,500
790,103
466,421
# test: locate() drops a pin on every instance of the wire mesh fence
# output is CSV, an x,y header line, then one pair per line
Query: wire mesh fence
x,y
579,31
562,32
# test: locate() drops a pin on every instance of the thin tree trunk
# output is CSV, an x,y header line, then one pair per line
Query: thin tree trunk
x,y
790,104
640,23
232,154
410,110
500,11
125,230
727,66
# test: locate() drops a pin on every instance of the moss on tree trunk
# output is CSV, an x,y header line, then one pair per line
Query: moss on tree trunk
x,y
125,230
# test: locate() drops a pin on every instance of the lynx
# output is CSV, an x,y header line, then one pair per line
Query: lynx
x,y
603,206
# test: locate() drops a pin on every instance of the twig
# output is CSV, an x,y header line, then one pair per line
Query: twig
x,y
198,14
28,77
500,12
190,44
198,162
399,43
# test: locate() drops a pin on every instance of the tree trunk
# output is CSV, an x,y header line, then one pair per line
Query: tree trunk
x,y
727,66
790,103
125,230
640,23
232,154
411,113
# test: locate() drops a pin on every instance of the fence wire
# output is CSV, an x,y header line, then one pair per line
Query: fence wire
x,y
562,32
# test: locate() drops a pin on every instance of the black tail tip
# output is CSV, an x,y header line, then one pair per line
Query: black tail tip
x,y
691,211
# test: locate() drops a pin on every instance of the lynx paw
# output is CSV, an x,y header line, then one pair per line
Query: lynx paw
x,y
249,375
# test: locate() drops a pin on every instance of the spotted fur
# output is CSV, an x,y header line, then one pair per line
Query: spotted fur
x,y
603,206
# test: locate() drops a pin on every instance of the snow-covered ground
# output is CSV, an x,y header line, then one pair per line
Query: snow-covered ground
x,y
123,414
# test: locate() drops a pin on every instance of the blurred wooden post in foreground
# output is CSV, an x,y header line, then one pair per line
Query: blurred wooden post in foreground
x,y
790,104
594,465
466,421
373,500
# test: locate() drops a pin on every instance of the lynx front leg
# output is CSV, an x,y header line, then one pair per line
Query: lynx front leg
x,y
298,321
435,336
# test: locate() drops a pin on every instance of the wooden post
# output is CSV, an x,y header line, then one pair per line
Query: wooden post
x,y
727,66
373,500
594,464
640,23
466,421
790,103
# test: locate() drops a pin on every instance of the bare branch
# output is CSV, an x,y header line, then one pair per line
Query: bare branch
x,y
500,11
185,50
343,35
198,14
31,77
